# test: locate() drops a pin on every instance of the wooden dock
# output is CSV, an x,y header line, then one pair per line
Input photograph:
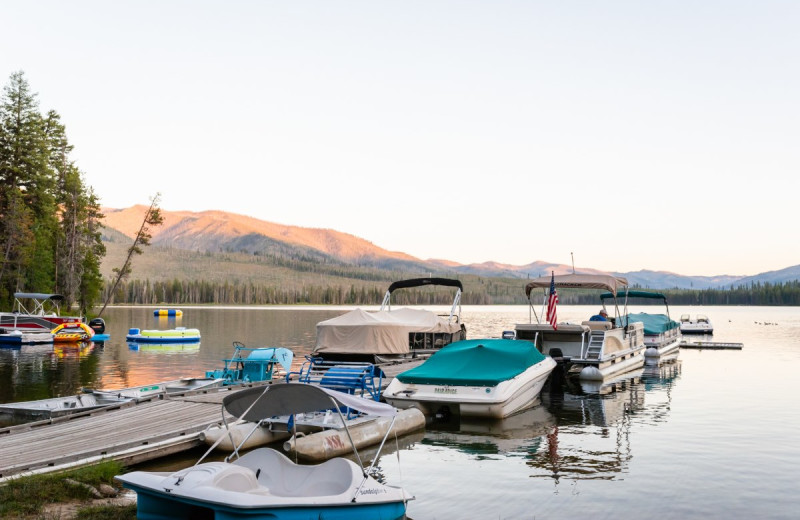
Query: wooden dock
x,y
130,433
711,345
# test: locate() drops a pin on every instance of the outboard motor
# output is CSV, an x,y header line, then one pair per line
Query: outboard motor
x,y
98,325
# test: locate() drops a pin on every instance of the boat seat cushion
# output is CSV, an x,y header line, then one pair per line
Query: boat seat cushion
x,y
598,325
285,478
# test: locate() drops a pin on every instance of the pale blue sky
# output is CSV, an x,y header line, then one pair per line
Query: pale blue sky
x,y
639,135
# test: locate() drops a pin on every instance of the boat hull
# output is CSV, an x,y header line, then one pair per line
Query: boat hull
x,y
155,506
658,349
500,401
602,371
19,337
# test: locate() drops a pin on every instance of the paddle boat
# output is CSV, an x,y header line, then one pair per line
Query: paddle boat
x,y
391,335
176,335
72,333
699,325
662,334
321,435
44,314
264,483
253,365
478,377
592,350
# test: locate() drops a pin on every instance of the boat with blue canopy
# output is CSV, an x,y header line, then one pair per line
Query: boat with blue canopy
x,y
662,334
478,378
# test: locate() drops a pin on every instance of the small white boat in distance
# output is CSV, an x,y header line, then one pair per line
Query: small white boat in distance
x,y
474,378
699,325
264,483
594,350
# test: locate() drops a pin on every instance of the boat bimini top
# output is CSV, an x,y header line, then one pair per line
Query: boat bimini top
x,y
43,303
616,285
420,282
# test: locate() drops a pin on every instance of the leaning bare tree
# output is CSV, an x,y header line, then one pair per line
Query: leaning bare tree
x,y
153,217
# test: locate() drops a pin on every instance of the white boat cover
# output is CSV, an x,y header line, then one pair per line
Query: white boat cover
x,y
255,404
380,332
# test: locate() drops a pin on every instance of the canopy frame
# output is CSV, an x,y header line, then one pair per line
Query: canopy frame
x,y
578,281
420,282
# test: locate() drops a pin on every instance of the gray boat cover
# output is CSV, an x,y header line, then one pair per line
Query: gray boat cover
x,y
290,398
380,332
579,281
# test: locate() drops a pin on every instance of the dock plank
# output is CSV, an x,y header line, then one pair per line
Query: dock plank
x,y
174,421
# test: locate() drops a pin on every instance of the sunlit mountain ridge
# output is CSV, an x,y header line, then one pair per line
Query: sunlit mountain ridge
x,y
220,232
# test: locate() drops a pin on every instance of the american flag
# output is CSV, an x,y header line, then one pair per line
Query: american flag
x,y
551,303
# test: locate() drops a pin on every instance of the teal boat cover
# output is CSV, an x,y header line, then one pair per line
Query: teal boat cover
x,y
475,362
653,323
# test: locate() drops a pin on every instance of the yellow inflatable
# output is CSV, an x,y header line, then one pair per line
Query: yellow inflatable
x,y
72,333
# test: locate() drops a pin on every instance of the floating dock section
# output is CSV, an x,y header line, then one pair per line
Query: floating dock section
x,y
167,312
711,345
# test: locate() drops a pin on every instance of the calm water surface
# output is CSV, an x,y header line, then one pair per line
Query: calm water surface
x,y
710,435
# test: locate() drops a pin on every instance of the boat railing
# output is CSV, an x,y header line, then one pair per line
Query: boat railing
x,y
362,379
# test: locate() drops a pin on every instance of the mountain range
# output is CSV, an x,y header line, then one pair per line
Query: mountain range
x,y
209,233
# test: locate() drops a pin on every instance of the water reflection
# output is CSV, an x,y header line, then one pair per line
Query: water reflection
x,y
32,372
521,434
165,348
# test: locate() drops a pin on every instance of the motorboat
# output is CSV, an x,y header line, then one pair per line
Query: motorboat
x,y
593,350
264,483
389,335
35,312
253,364
699,325
176,335
476,378
662,334
174,386
57,406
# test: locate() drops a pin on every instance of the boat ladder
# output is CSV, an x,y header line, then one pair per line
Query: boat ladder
x,y
595,347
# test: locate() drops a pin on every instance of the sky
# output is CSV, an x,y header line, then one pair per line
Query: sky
x,y
630,135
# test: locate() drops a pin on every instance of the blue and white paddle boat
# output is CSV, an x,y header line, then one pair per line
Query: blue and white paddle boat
x,y
477,377
254,364
264,483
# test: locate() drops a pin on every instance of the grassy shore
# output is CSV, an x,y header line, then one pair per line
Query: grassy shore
x,y
70,494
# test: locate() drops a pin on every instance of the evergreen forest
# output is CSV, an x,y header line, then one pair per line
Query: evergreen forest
x,y
50,219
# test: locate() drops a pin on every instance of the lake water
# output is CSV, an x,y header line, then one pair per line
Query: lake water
x,y
711,435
